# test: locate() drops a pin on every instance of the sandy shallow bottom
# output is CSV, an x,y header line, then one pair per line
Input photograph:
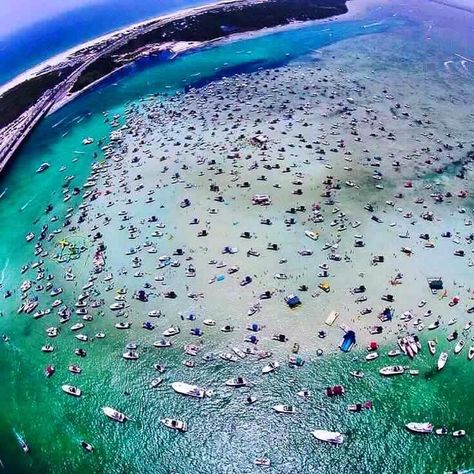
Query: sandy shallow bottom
x,y
332,125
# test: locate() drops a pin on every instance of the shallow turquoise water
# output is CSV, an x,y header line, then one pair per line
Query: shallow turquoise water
x,y
224,436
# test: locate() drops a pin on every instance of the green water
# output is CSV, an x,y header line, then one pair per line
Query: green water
x,y
224,436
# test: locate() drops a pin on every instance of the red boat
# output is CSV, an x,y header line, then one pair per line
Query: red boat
x,y
335,391
49,370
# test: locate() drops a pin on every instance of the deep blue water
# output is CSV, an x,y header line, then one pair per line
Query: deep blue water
x,y
33,44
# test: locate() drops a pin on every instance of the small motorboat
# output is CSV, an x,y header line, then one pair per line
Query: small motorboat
x,y
394,353
332,437
358,374
459,433
75,369
459,346
432,347
114,414
470,354
175,424
209,322
271,367
357,407
304,394
189,390
130,355
162,343
286,409
371,356
423,428
87,447
441,431
264,462
335,391
49,370
123,325
228,357
443,357
21,441
237,382
43,167
171,331
156,383
47,348
392,370
71,390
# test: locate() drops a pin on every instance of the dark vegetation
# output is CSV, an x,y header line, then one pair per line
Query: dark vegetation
x,y
16,100
216,23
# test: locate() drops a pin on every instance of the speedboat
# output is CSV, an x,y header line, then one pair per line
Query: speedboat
x,y
114,414
22,442
43,167
71,390
227,356
419,427
49,370
75,369
392,370
237,382
371,356
82,337
156,383
470,354
271,367
123,325
162,343
130,355
432,347
172,331
264,462
332,437
312,235
459,433
47,348
87,447
443,357
77,326
287,409
189,390
394,353
357,374
459,346
175,424
209,322
441,431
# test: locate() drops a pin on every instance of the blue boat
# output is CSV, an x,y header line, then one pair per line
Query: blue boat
x,y
348,341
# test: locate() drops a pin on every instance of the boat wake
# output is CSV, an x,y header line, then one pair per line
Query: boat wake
x,y
2,275
22,208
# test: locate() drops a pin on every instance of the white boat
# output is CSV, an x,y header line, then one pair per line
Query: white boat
x,y
114,414
470,354
189,390
82,337
227,356
171,331
394,353
371,356
209,322
77,326
237,382
43,167
271,367
130,355
156,383
264,462
75,369
239,352
162,343
459,346
117,306
392,370
312,235
419,427
432,347
123,325
175,424
47,348
332,437
71,390
287,409
100,335
443,357
459,433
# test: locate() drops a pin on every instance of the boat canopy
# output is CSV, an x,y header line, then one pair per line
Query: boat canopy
x,y
292,301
